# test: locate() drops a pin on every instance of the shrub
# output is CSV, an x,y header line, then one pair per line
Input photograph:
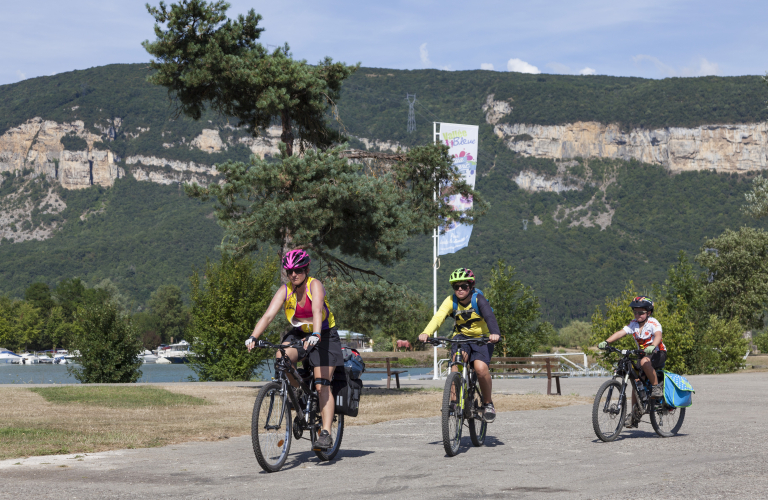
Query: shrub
x,y
677,331
108,346
227,301
719,348
576,334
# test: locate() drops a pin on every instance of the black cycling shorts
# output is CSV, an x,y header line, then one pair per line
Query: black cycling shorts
x,y
327,352
658,359
476,352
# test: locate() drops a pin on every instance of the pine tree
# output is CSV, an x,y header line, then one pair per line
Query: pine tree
x,y
327,200
206,60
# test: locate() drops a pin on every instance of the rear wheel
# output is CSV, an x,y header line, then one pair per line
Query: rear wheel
x,y
608,411
271,427
666,420
337,432
477,425
452,415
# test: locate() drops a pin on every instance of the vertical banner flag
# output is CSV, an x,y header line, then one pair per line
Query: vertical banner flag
x,y
462,143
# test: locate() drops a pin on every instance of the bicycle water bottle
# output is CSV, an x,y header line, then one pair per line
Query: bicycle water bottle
x,y
641,391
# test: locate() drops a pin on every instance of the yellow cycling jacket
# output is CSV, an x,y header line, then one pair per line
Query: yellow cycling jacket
x,y
468,323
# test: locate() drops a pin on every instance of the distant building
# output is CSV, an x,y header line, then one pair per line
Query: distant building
x,y
355,340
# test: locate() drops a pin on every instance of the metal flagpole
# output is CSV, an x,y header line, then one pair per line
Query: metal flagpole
x,y
435,237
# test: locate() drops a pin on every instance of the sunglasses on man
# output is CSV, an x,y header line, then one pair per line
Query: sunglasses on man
x,y
461,286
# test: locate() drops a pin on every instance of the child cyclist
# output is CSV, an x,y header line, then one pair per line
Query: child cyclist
x,y
469,323
303,299
647,333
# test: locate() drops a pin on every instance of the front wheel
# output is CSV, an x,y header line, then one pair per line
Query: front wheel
x,y
609,410
477,424
271,427
666,420
452,414
337,432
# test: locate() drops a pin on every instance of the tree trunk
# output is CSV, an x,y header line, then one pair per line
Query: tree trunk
x,y
287,138
287,135
284,248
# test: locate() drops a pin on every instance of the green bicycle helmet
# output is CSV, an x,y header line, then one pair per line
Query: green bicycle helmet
x,y
462,274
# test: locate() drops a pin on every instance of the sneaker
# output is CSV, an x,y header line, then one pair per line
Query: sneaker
x,y
489,413
323,441
658,391
630,423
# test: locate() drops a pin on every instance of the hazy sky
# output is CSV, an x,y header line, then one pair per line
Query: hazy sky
x,y
652,38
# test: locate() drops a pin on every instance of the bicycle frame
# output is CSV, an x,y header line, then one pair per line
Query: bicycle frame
x,y
468,376
626,369
283,367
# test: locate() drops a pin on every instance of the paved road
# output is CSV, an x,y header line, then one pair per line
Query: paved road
x,y
721,453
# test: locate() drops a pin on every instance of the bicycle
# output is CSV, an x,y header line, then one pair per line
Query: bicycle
x,y
468,405
610,406
271,425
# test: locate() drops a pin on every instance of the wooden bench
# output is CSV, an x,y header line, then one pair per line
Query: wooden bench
x,y
389,371
529,367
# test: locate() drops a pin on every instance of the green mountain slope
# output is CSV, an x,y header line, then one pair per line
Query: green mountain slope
x,y
138,234
142,235
572,269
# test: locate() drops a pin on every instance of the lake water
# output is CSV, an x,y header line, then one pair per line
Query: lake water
x,y
57,374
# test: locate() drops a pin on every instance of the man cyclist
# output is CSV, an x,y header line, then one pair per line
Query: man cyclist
x,y
646,331
469,323
303,300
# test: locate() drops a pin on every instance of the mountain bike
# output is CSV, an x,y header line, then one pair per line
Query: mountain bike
x,y
462,400
610,407
272,427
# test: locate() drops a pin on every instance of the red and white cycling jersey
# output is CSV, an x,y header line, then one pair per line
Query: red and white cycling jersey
x,y
644,335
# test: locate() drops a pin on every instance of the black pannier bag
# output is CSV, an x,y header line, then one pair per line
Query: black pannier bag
x,y
346,392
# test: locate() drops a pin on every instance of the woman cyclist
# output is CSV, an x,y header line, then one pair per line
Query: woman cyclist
x,y
305,306
469,323
647,333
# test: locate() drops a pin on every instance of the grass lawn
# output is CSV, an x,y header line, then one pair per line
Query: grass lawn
x,y
86,419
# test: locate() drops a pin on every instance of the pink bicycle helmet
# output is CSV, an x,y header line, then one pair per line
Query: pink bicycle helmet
x,y
295,258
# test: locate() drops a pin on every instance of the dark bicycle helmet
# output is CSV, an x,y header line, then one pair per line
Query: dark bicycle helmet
x,y
642,303
462,274
295,259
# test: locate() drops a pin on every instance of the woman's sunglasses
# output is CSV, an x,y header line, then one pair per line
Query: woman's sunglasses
x,y
300,270
462,286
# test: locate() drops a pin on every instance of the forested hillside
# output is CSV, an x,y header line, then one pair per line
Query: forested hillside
x,y
142,235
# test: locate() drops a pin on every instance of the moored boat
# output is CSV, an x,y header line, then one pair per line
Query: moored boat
x,y
148,357
9,357
175,353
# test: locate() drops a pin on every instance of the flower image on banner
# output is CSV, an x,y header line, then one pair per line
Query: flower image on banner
x,y
462,143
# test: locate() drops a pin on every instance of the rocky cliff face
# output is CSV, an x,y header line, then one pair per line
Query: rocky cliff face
x,y
722,148
37,145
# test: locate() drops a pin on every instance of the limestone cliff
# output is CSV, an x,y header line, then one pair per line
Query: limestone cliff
x,y
722,148
17,222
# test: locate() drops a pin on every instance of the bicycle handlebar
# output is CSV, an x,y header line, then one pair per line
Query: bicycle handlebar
x,y
270,345
443,340
625,352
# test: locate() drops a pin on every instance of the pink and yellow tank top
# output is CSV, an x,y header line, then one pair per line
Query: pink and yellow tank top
x,y
298,317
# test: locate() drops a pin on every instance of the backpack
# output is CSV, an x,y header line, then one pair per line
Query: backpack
x,y
353,362
473,304
677,390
